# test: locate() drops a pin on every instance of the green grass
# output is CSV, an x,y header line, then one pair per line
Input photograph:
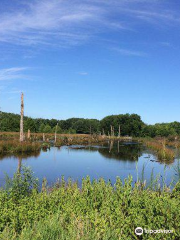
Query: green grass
x,y
97,210
18,147
163,153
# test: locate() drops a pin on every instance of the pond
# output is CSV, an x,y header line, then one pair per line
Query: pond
x,y
108,160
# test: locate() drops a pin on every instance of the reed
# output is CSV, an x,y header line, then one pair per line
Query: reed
x,y
163,153
75,137
18,147
96,210
174,144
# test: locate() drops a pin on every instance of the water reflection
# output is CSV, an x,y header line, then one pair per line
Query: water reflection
x,y
122,151
20,155
115,150
107,160
19,164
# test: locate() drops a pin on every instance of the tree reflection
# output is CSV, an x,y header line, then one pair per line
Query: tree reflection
x,y
122,151
20,155
115,150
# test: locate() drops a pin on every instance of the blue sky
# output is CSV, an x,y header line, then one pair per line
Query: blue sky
x,y
91,58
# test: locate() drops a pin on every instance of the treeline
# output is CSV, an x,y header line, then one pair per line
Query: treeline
x,y
130,125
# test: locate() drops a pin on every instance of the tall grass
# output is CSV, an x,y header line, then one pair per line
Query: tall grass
x,y
98,210
17,147
62,139
163,153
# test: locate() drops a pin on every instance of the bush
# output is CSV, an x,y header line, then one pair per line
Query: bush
x,y
21,185
18,147
97,210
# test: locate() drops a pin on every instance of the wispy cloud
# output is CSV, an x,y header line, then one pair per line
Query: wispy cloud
x,y
15,91
83,73
128,52
65,22
44,21
165,44
12,73
154,16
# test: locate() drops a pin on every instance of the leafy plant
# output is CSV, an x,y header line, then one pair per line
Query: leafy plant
x,y
21,185
96,210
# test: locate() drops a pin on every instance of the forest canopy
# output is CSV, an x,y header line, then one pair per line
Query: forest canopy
x,y
130,125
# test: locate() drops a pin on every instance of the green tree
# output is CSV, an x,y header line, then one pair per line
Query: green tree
x,y
131,125
47,129
41,128
57,129
30,124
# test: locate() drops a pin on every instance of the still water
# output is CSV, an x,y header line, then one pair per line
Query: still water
x,y
108,160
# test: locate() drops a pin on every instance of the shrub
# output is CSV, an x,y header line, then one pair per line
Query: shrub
x,y
98,210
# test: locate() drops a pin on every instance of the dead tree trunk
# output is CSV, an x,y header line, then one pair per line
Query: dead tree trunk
x,y
119,131
90,130
111,130
55,137
103,132
21,120
29,134
43,137
111,146
118,146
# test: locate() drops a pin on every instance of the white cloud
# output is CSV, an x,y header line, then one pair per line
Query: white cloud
x,y
153,16
70,22
15,91
12,73
128,52
165,44
83,73
45,21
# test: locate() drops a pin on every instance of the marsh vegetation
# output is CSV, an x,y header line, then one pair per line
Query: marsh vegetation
x,y
93,207
95,210
18,147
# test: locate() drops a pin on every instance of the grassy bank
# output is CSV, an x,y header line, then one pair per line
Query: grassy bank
x,y
161,147
97,210
37,136
163,152
61,139
17,147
